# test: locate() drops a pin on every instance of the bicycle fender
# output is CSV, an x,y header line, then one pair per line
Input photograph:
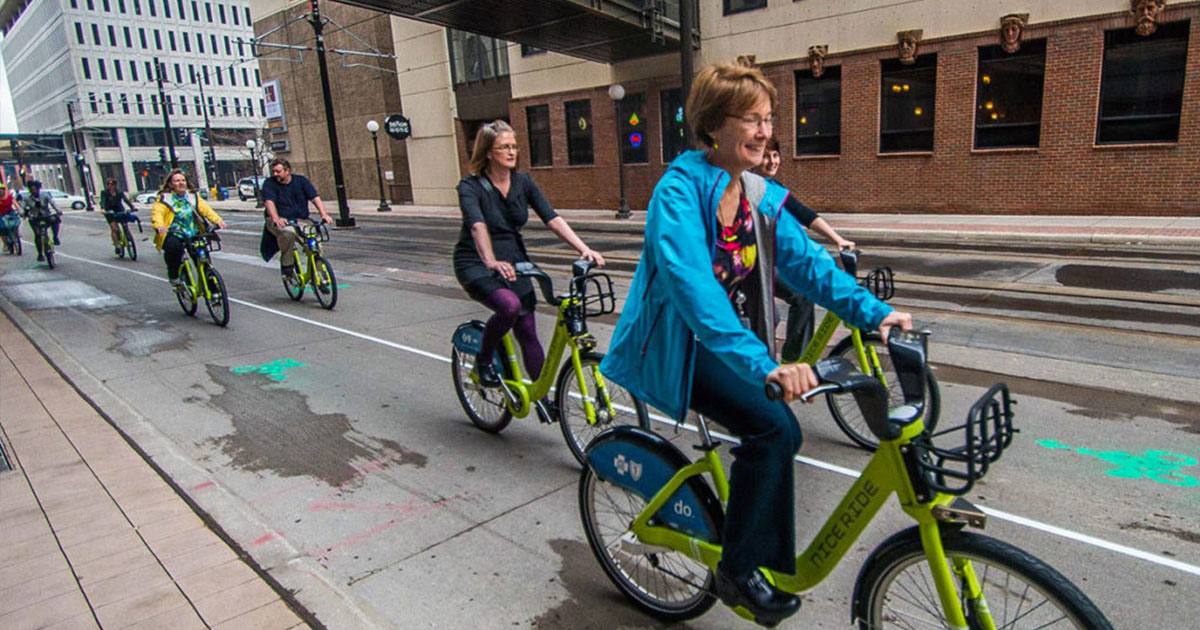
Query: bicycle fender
x,y
469,337
642,462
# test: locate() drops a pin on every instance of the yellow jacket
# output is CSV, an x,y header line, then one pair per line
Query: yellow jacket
x,y
162,216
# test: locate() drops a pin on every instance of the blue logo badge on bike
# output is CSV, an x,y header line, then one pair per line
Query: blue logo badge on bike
x,y
643,472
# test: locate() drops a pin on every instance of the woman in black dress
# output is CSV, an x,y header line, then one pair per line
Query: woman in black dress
x,y
495,201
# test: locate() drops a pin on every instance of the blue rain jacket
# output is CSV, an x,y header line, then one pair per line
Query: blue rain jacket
x,y
675,300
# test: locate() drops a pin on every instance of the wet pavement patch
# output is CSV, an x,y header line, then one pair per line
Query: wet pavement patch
x,y
1137,279
140,340
275,431
59,294
1181,534
1089,402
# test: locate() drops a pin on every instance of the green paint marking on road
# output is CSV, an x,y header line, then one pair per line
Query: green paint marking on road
x,y
1159,466
343,286
275,369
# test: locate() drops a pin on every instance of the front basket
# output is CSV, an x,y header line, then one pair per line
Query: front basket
x,y
952,460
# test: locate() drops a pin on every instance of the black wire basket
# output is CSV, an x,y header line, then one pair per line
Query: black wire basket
x,y
594,293
953,459
880,282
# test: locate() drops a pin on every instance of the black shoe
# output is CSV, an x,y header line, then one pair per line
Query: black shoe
x,y
41,258
288,271
753,592
487,374
56,241
117,250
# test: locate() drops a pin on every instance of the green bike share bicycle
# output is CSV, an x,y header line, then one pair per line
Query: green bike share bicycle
x,y
867,351
586,403
200,281
316,270
655,524
126,246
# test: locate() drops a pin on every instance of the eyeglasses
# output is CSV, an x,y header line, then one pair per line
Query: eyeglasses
x,y
753,122
507,147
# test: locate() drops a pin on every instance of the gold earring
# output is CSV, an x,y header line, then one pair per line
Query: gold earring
x,y
716,146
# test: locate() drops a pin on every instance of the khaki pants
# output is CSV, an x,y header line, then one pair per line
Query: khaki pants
x,y
286,238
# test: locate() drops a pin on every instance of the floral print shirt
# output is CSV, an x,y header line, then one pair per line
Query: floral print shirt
x,y
737,250
184,223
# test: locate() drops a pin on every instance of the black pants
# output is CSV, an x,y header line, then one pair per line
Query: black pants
x,y
53,221
760,529
800,323
173,250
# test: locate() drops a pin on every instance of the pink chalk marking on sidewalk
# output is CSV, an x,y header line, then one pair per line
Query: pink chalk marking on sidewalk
x,y
264,539
205,486
355,539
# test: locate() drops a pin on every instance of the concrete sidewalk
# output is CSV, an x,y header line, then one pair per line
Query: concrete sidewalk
x,y
94,537
1025,229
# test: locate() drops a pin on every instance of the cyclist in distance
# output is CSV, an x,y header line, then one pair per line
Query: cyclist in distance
x,y
179,214
111,199
38,204
495,201
286,196
697,330
800,310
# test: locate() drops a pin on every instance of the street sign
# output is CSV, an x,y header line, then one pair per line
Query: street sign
x,y
398,126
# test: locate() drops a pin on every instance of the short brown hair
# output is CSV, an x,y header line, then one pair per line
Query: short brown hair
x,y
281,162
773,145
722,89
485,139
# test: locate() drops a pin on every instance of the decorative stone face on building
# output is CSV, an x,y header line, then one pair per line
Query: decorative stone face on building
x,y
816,59
1012,28
1145,12
907,45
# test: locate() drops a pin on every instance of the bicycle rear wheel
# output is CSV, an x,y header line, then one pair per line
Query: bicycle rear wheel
x,y
324,283
130,244
217,301
48,249
895,588
485,406
183,292
18,248
664,583
845,411
572,417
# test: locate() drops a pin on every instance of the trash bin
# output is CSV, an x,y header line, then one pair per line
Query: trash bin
x,y
222,194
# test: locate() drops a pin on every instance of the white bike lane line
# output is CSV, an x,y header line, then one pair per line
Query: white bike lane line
x,y
991,512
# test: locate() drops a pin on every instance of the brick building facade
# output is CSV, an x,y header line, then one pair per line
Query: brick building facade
x,y
1066,171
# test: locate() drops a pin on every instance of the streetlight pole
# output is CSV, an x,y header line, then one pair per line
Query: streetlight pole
x,y
210,160
344,219
250,146
79,158
166,105
616,92
373,127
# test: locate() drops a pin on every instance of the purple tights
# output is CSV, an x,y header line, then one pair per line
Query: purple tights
x,y
507,306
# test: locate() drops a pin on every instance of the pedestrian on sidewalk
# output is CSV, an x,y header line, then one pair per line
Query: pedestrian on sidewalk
x,y
286,196
800,316
495,201
179,214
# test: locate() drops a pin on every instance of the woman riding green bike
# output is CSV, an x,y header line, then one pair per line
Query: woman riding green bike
x,y
177,217
697,330
495,201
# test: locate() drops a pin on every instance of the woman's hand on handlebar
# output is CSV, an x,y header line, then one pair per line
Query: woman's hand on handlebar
x,y
794,378
504,268
592,255
895,318
221,224
161,230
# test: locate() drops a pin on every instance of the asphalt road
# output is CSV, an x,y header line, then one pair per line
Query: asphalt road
x,y
331,448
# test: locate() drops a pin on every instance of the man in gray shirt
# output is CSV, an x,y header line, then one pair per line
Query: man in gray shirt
x,y
38,204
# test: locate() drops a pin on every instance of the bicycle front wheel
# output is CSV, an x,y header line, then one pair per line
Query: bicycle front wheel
x,y
183,292
1018,591
130,244
612,404
845,411
485,406
324,283
217,301
666,584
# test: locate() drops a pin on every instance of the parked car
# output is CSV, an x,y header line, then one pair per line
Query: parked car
x,y
61,199
246,188
145,197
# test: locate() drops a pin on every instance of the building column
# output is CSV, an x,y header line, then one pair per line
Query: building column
x,y
198,162
131,183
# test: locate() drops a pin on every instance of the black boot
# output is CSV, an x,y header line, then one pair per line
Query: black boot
x,y
487,374
753,592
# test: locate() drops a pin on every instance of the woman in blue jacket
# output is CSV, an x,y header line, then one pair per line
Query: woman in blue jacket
x,y
697,330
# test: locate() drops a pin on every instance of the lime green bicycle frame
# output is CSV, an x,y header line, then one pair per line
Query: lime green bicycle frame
x,y
521,394
197,281
884,474
868,359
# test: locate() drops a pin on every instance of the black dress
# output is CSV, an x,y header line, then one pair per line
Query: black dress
x,y
504,217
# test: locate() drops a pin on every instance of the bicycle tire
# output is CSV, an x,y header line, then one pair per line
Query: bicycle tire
x,y
571,417
49,250
324,283
846,412
293,286
667,585
183,292
130,244
485,406
216,300
17,246
1005,572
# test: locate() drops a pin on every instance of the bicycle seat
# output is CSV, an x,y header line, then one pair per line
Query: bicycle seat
x,y
868,392
529,270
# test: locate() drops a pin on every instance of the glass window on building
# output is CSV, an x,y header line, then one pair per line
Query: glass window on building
x,y
142,37
1141,88
247,15
141,105
476,57
121,5
737,6
1008,96
579,132
157,39
79,32
228,48
104,3
137,7
166,7
112,36
221,12
154,103
108,103
674,130
128,37
187,42
199,42
907,113
96,34
133,75
92,102
91,5
124,104
819,112
234,13
117,69
632,113
146,136
171,39
178,74
537,119
150,5
87,70
212,38
529,51
195,12
103,137
103,69
182,13
208,12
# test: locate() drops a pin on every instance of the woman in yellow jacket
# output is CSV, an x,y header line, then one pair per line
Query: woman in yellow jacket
x,y
179,213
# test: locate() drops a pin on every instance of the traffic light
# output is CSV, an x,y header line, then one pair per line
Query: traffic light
x,y
79,159
209,157
162,155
